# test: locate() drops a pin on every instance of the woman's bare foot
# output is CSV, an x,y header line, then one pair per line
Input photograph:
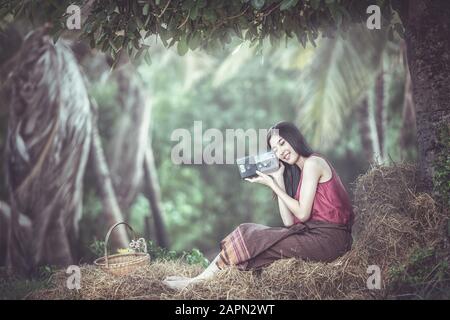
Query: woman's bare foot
x,y
180,283
177,284
171,278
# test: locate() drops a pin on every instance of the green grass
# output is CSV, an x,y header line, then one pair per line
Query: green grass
x,y
17,288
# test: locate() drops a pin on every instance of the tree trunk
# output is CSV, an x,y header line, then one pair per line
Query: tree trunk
x,y
5,225
380,114
407,139
427,29
111,209
152,190
49,132
153,193
372,123
128,138
126,148
364,130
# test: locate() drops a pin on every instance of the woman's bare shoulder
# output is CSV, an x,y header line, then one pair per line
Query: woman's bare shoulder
x,y
320,164
315,160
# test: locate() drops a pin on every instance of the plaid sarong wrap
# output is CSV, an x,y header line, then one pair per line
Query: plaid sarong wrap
x,y
253,245
248,240
234,250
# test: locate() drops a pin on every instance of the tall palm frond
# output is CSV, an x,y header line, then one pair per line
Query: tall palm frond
x,y
292,56
337,80
233,63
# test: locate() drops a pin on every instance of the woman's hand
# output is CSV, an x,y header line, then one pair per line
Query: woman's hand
x,y
278,175
262,178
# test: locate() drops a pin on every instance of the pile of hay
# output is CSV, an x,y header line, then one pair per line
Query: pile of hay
x,y
96,284
393,220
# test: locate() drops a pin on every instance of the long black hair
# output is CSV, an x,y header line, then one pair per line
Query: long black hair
x,y
289,132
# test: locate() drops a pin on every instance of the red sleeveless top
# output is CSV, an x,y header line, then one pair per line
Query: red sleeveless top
x,y
331,202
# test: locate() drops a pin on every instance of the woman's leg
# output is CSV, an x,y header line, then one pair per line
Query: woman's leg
x,y
182,282
324,245
209,271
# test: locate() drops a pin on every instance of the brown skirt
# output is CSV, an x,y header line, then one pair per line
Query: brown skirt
x,y
252,246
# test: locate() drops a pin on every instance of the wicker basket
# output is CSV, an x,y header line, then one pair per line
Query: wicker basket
x,y
123,263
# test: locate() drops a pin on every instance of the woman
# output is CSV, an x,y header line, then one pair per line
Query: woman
x,y
314,206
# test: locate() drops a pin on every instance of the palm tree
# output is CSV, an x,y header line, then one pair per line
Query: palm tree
x,y
345,75
340,79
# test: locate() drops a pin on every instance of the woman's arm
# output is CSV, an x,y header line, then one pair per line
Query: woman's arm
x,y
301,209
285,213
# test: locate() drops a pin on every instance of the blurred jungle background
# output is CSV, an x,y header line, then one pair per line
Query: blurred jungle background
x,y
349,93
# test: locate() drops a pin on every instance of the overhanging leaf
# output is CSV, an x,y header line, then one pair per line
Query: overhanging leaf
x,y
287,4
182,46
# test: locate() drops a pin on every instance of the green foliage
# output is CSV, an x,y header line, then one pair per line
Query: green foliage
x,y
158,253
45,272
90,224
138,213
227,89
114,26
442,166
341,75
15,288
196,257
202,203
425,275
193,256
97,248
230,90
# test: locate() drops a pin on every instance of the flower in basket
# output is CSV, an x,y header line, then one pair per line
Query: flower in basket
x,y
124,250
136,245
